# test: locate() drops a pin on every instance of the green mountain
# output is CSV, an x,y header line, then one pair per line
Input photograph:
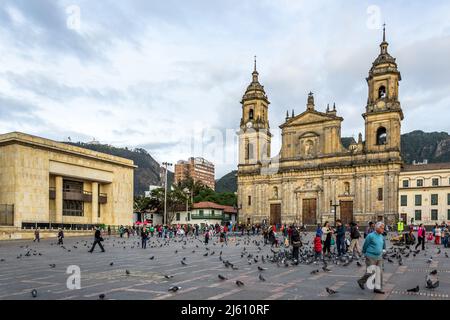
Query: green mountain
x,y
227,183
416,146
148,171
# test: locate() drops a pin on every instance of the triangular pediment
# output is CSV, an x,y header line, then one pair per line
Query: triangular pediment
x,y
308,117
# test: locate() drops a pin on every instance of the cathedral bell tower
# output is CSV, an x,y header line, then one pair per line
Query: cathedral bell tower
x,y
383,114
254,133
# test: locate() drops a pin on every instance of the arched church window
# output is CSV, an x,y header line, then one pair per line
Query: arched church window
x,y
382,92
381,136
250,114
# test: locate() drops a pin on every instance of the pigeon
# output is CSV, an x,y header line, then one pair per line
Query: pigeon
x,y
324,268
434,272
431,285
446,255
416,289
330,291
151,258
315,271
439,251
183,263
261,268
430,260
127,272
261,278
206,254
346,264
112,263
239,283
168,276
391,261
221,277
176,251
358,264
34,293
52,265
234,268
174,288
101,296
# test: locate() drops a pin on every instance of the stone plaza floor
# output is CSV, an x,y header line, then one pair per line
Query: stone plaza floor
x,y
20,272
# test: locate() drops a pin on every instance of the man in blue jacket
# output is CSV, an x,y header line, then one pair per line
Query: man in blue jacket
x,y
373,248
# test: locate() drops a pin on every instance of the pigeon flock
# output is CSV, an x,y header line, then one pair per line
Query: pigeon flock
x,y
250,253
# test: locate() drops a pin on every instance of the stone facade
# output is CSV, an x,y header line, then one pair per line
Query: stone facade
x,y
33,172
313,170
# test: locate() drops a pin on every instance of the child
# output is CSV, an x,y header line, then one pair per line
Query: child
x,y
318,246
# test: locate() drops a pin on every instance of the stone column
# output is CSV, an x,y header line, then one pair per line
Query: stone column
x,y
94,215
58,199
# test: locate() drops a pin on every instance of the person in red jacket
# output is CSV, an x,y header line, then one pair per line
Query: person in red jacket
x,y
318,246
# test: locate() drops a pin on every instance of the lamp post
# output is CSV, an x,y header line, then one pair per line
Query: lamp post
x,y
186,190
334,210
165,164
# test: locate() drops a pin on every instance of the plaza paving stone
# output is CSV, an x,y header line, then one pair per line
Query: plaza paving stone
x,y
199,278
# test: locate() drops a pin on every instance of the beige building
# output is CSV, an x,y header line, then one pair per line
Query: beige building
x,y
314,173
424,192
198,169
47,183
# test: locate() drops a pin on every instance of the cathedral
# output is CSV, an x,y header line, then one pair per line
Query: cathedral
x,y
314,178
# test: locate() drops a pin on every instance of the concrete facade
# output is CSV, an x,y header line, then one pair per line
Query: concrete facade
x,y
424,192
33,172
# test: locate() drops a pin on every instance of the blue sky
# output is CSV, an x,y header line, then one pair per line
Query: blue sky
x,y
168,76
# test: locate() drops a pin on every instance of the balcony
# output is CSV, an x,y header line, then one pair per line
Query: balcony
x,y
102,198
77,195
206,216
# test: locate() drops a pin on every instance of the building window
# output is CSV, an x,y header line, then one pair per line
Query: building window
x,y
419,182
405,183
250,114
404,200
418,215
380,194
201,213
435,182
418,200
381,136
212,212
448,199
382,92
434,199
434,214
249,200
448,214
178,216
73,208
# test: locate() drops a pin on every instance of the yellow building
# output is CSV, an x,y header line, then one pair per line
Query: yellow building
x,y
314,173
424,192
45,182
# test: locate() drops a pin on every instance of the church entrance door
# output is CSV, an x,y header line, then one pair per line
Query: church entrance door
x,y
275,214
309,209
346,211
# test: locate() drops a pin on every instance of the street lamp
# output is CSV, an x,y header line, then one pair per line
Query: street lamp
x,y
165,164
186,190
334,209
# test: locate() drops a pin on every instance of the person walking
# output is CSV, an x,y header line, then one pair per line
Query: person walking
x,y
369,229
421,236
373,249
207,236
97,240
144,238
340,238
36,235
60,236
437,234
445,236
296,243
354,236
326,234
109,230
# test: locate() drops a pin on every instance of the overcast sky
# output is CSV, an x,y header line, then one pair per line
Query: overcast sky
x,y
168,75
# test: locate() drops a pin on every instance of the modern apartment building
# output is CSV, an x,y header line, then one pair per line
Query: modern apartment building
x,y
197,168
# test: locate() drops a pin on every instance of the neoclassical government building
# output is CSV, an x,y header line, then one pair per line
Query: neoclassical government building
x,y
314,177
